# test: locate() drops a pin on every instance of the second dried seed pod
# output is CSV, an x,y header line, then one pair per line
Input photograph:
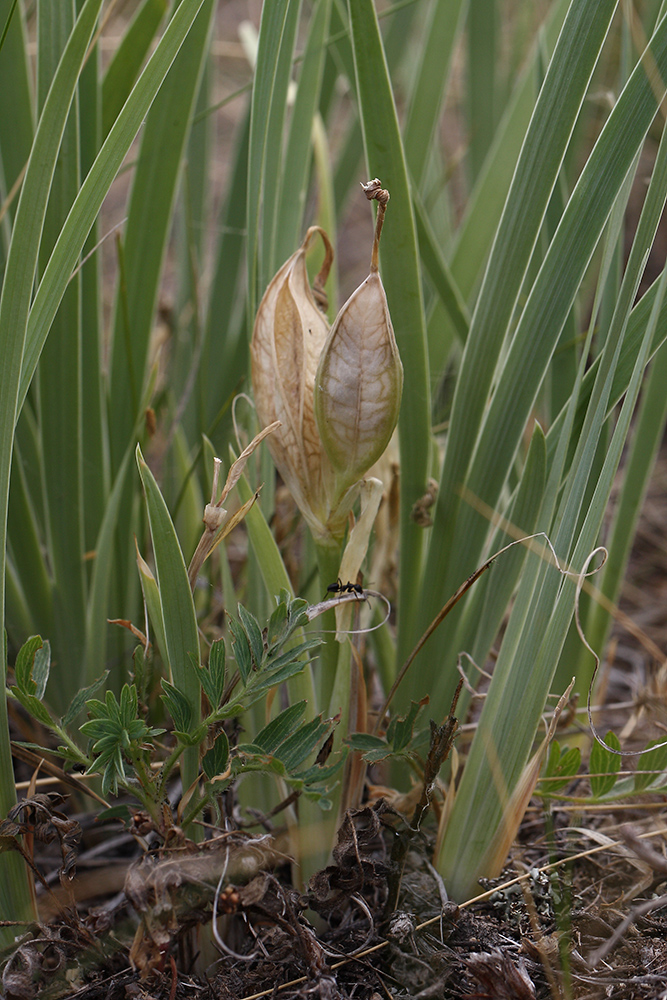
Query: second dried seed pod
x,y
359,378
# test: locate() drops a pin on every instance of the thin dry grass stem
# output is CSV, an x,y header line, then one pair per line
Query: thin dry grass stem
x,y
439,618
16,187
656,863
582,583
100,242
497,520
34,760
472,691
546,551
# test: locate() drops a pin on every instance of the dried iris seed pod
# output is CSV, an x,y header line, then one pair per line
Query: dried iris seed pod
x,y
336,392
359,379
290,331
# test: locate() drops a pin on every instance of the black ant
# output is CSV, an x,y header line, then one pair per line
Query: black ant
x,y
345,588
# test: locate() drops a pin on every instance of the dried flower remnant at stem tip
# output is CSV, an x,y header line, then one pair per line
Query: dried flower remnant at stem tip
x,y
375,192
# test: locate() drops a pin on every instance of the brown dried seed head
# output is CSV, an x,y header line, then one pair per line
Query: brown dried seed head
x,y
359,379
287,341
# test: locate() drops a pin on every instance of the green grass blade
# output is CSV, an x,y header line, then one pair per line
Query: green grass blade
x,y
441,277
545,312
149,221
19,615
427,97
555,114
94,188
269,97
17,901
126,61
14,305
540,621
298,154
491,596
28,560
401,277
224,356
485,205
177,605
565,263
94,471
16,110
22,263
274,154
630,347
647,436
97,609
482,87
60,388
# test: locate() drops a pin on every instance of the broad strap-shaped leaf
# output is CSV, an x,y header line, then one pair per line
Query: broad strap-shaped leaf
x,y
164,136
401,277
277,32
178,610
17,290
298,152
96,185
126,61
544,148
460,530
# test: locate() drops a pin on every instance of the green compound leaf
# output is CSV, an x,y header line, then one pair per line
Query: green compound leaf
x,y
654,761
277,626
279,729
560,769
80,699
216,672
23,667
604,765
304,742
177,705
254,634
215,760
41,667
34,707
400,732
241,648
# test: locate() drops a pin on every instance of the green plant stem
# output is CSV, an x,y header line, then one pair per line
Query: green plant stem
x,y
328,564
169,766
316,854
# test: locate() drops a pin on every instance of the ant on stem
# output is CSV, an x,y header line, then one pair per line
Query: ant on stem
x,y
345,588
